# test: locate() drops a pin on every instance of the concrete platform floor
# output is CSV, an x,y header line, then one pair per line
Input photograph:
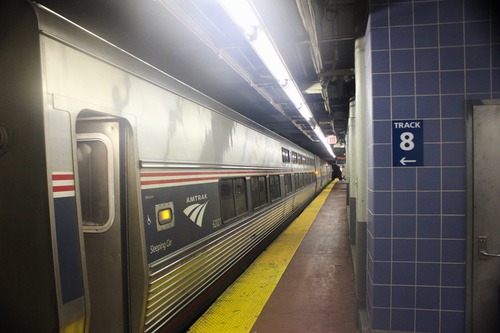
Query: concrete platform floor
x,y
316,292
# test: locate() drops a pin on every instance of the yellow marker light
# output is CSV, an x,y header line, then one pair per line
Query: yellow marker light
x,y
165,216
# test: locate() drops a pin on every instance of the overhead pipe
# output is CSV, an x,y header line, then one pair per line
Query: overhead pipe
x,y
306,10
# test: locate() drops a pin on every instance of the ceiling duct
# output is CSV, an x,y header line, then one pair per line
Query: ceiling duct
x,y
305,129
308,10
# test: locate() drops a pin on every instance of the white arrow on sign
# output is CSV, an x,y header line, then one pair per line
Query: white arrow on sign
x,y
404,161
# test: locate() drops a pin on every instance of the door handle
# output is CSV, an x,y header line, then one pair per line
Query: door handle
x,y
483,248
484,253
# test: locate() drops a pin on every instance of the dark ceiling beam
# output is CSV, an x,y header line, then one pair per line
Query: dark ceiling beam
x,y
329,39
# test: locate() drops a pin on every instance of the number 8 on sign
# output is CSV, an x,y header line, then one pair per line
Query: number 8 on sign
x,y
407,141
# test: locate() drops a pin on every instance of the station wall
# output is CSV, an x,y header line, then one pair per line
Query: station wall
x,y
425,60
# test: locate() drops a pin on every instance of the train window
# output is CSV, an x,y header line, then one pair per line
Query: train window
x,y
301,180
296,181
288,183
240,196
285,155
274,187
294,157
259,191
226,199
95,173
233,198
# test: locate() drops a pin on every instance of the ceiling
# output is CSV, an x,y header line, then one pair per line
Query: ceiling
x,y
196,42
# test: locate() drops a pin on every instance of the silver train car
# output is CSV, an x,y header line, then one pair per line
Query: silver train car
x,y
128,200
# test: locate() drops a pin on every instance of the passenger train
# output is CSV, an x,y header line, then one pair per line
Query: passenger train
x,y
128,200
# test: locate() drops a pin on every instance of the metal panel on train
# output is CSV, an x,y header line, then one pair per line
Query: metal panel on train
x,y
194,207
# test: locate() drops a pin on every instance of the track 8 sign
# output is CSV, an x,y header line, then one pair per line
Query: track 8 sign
x,y
407,143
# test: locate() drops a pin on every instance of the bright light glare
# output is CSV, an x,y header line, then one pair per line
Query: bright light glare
x,y
322,138
245,17
264,47
297,99
242,13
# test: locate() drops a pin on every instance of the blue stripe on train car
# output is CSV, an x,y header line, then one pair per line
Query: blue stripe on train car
x,y
68,245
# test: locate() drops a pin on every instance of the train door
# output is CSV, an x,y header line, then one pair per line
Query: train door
x,y
100,178
485,284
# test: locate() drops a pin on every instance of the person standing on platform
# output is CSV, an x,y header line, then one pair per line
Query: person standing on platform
x,y
336,172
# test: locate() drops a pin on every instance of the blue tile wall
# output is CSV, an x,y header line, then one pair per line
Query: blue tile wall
x,y
429,226
427,321
404,226
449,11
428,107
403,107
402,320
426,36
427,58
451,58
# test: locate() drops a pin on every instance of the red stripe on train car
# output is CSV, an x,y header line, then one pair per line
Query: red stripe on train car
x,y
64,188
62,176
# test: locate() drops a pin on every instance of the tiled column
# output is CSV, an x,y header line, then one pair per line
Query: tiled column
x,y
427,59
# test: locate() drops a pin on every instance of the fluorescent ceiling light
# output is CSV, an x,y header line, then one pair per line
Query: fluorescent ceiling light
x,y
245,16
322,138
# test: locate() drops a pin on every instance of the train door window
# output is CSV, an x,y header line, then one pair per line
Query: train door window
x,y
285,155
288,183
96,180
275,189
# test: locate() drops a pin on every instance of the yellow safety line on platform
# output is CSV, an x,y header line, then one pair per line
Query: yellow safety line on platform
x,y
237,309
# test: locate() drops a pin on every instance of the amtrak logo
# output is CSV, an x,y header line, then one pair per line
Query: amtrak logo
x,y
195,212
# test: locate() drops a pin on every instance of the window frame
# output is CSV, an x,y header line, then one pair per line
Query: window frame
x,y
257,204
99,137
285,155
287,182
274,187
235,211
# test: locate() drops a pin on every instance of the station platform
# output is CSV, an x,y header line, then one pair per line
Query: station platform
x,y
303,282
